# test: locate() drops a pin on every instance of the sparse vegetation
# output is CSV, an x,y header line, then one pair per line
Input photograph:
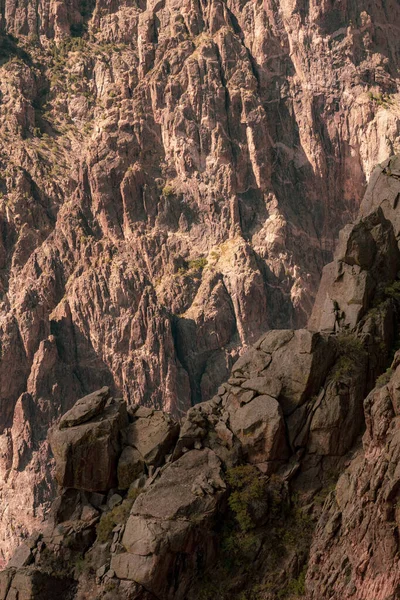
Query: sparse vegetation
x,y
384,100
392,290
351,352
197,264
192,267
384,378
168,191
287,531
119,514
247,487
295,588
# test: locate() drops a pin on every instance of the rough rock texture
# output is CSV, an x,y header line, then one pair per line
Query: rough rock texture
x,y
153,434
263,492
85,409
86,450
172,180
171,521
367,256
29,583
355,550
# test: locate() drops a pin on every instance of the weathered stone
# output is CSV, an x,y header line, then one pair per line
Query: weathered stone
x,y
21,557
86,455
143,411
101,571
32,584
264,385
85,409
356,529
89,513
114,501
250,364
6,577
130,467
97,499
299,363
337,419
383,191
367,254
273,340
260,427
105,240
153,436
161,526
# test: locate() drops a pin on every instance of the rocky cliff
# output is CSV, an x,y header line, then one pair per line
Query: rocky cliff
x,y
284,485
173,177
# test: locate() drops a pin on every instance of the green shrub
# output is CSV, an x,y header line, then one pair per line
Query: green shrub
x,y
295,588
133,493
246,487
351,352
168,191
119,514
381,99
78,29
384,378
393,290
197,264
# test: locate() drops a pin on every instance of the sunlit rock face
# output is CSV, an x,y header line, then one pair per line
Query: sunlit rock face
x,y
172,180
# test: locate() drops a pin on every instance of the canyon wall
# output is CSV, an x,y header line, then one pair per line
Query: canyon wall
x,y
284,486
173,177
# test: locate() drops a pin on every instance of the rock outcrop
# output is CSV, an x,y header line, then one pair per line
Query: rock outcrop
x,y
86,444
355,548
263,492
172,180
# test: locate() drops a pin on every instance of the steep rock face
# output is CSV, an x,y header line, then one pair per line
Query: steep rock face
x,y
263,491
86,454
367,256
160,531
171,185
355,549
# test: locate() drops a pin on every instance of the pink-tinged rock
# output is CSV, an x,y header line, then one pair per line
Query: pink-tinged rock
x,y
260,427
171,520
367,254
86,454
85,409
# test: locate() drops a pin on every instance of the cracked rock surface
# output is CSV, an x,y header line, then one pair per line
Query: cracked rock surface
x,y
285,484
173,177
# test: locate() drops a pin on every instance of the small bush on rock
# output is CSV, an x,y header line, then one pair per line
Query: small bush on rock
x,y
168,191
393,290
384,378
119,514
198,264
247,487
351,352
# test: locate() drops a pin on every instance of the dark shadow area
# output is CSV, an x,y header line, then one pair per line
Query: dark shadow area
x,y
9,49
